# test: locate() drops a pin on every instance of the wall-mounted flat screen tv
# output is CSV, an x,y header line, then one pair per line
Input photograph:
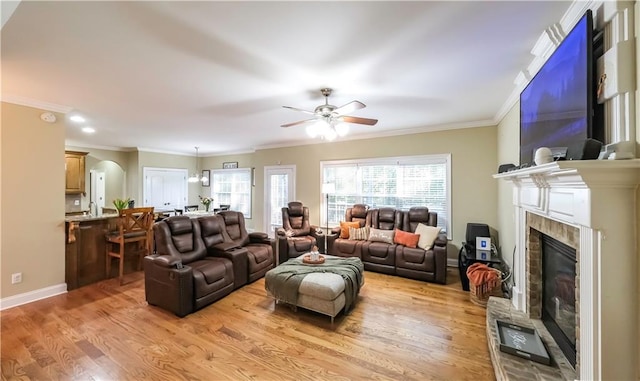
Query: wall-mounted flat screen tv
x,y
556,107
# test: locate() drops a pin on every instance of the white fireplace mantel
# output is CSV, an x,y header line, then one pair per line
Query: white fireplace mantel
x,y
599,198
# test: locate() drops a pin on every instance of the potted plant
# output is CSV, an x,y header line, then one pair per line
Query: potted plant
x,y
206,201
121,204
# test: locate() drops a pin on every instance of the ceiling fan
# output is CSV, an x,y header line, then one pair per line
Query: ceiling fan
x,y
332,114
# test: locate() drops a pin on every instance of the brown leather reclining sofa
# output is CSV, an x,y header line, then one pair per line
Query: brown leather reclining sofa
x,y
392,258
200,260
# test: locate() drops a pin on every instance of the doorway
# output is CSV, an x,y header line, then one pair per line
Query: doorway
x,y
164,188
98,186
279,189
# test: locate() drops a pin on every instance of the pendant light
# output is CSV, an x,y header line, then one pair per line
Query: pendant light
x,y
194,178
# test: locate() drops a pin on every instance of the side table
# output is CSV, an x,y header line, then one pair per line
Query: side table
x,y
466,259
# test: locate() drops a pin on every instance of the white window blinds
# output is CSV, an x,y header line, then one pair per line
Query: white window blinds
x,y
399,182
232,187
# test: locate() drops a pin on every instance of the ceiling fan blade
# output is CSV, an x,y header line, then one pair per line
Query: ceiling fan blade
x,y
298,122
358,120
349,107
299,109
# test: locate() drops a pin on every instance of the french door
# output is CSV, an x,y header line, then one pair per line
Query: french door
x,y
164,188
279,189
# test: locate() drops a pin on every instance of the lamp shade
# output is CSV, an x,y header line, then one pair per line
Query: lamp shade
x,y
328,188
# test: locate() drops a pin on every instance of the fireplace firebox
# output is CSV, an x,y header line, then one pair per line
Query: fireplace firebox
x,y
559,294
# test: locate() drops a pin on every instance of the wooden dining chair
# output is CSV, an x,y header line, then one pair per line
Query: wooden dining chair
x,y
134,225
191,208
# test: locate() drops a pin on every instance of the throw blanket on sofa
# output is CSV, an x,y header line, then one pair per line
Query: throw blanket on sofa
x,y
283,281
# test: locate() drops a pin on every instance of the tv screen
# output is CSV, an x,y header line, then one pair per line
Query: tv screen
x,y
556,107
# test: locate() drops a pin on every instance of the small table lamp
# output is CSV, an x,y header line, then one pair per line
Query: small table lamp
x,y
326,189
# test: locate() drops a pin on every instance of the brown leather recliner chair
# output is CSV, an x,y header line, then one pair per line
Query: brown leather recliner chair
x,y
181,277
345,247
297,236
381,256
260,248
219,244
416,263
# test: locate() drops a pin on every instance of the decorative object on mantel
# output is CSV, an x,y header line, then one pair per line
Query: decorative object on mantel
x,y
522,342
484,282
121,204
206,201
543,156
506,167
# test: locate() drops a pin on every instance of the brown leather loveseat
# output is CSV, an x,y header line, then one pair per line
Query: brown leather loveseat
x,y
197,262
384,249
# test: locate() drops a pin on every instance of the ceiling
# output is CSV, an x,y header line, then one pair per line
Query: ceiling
x,y
169,76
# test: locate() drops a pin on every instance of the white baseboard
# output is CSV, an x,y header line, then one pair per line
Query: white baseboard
x,y
32,296
452,262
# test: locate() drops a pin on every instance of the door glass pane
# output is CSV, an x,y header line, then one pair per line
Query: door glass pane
x,y
279,197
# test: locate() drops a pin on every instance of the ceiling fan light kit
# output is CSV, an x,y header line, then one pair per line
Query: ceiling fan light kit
x,y
329,120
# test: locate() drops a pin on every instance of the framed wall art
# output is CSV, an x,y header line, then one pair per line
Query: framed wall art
x,y
206,177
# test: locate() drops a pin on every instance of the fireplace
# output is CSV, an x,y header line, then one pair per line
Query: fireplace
x,y
559,294
589,206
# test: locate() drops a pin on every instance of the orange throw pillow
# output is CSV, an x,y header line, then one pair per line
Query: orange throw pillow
x,y
405,238
344,228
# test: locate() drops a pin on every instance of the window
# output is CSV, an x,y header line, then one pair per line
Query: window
x,y
232,187
399,182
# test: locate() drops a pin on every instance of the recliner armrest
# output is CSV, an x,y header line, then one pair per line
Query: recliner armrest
x,y
239,259
441,240
225,246
164,260
168,287
440,257
259,237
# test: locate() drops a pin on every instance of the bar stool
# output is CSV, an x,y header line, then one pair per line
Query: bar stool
x,y
134,226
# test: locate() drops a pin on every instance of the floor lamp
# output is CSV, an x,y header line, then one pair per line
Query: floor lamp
x,y
326,189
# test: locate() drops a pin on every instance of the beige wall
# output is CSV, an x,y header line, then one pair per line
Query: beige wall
x,y
508,153
473,155
32,200
163,160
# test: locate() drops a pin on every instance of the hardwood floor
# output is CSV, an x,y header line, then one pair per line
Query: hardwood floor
x,y
400,329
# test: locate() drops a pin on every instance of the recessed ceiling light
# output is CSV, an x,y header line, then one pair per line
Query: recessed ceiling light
x,y
88,130
77,118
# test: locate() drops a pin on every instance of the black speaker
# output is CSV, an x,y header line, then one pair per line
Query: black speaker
x,y
588,149
505,167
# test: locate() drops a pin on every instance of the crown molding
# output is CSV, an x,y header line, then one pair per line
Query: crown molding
x,y
384,134
24,101
77,145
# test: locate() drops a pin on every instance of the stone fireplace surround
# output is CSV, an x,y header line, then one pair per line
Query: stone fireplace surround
x,y
591,206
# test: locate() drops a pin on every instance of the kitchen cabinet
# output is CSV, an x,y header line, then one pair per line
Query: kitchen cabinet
x,y
74,171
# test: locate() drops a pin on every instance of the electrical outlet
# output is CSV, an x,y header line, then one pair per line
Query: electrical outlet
x,y
76,202
16,278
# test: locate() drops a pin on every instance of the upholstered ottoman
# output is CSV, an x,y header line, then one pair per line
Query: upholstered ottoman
x,y
326,288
